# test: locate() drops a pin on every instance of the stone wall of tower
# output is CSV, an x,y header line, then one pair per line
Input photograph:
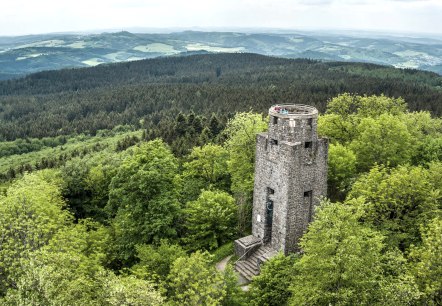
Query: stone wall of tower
x,y
292,162
268,171
293,129
308,184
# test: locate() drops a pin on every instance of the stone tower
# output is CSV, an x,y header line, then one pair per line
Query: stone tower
x,y
290,179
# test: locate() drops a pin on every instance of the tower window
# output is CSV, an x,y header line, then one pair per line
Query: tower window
x,y
307,144
274,142
310,122
307,194
275,120
270,190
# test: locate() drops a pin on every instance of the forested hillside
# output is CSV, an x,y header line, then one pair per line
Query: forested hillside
x,y
125,184
154,91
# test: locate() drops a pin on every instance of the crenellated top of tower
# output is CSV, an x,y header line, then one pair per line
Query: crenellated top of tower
x,y
298,111
293,123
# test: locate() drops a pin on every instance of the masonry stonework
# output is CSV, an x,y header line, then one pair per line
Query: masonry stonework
x,y
290,180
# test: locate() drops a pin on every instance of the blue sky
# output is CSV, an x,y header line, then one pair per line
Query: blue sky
x,y
18,17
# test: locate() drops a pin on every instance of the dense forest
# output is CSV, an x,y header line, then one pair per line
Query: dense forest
x,y
151,92
125,184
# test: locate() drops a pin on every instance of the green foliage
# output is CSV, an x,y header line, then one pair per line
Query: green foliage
x,y
341,264
398,286
65,272
31,213
143,198
241,144
336,128
345,112
435,177
397,201
184,131
155,261
128,290
68,271
341,171
347,105
271,286
222,252
379,130
205,168
194,281
87,181
56,156
421,123
383,141
21,146
210,221
430,149
208,162
426,263
63,102
234,294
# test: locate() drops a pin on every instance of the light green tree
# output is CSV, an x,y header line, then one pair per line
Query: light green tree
x,y
345,112
422,123
385,140
426,263
435,176
130,291
195,281
429,150
241,132
271,286
210,221
346,105
342,263
235,296
205,168
397,201
341,171
69,271
143,198
155,261
31,213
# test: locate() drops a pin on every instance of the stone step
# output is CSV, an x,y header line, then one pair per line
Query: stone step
x,y
262,255
245,270
249,267
252,265
245,274
263,250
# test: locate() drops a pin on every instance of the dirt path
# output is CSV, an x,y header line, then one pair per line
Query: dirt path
x,y
221,266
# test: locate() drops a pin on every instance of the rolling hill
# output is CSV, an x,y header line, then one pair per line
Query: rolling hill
x,y
27,54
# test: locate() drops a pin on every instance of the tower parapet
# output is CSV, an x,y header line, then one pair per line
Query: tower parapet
x,y
293,123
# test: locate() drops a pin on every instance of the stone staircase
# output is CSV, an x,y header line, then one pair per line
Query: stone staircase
x,y
249,266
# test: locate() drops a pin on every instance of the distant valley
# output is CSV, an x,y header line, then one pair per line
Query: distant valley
x,y
22,55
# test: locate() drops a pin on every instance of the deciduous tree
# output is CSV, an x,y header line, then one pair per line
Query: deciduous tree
x,y
194,281
210,221
143,198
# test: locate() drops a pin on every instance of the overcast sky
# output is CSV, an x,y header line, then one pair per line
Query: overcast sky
x,y
19,17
